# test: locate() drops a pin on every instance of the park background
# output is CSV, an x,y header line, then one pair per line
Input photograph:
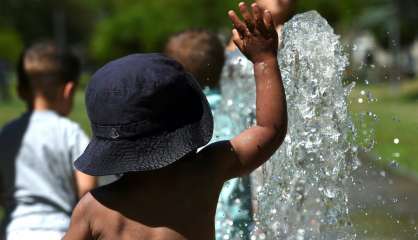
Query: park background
x,y
380,36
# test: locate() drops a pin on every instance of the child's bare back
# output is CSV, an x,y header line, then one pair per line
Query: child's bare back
x,y
161,196
175,202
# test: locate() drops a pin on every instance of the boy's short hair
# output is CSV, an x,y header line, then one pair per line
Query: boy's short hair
x,y
200,52
44,67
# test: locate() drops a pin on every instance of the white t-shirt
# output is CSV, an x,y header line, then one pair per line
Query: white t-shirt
x,y
37,152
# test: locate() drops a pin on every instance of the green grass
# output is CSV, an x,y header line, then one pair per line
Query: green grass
x,y
79,113
397,112
377,224
14,108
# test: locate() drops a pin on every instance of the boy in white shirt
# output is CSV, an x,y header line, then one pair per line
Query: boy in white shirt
x,y
38,185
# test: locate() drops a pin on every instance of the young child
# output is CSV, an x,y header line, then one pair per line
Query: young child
x,y
202,54
39,186
149,117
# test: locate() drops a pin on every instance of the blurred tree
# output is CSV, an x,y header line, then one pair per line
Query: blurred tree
x,y
377,15
10,44
46,19
336,12
140,25
111,28
380,16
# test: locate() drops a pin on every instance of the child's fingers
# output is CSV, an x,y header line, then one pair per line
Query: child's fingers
x,y
236,35
258,16
248,18
268,21
236,38
238,24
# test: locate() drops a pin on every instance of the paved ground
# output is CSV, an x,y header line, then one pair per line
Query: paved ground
x,y
384,202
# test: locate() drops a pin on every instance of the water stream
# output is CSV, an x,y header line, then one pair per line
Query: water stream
x,y
300,192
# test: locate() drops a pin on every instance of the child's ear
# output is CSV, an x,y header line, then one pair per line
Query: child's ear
x,y
69,89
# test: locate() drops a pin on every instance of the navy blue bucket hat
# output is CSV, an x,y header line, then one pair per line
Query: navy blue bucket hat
x,y
145,112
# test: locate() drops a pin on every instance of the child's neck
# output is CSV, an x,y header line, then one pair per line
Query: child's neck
x,y
163,174
41,104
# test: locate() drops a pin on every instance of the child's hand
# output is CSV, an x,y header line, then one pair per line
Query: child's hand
x,y
257,37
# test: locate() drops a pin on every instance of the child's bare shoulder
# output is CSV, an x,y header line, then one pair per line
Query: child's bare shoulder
x,y
80,220
85,208
98,205
92,218
220,156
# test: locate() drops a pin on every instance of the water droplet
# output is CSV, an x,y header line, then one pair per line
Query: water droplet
x,y
394,164
396,119
370,97
355,47
300,234
330,193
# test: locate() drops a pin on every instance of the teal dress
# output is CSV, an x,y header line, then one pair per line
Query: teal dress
x,y
233,218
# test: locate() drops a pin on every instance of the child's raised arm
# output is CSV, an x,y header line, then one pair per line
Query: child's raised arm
x,y
258,41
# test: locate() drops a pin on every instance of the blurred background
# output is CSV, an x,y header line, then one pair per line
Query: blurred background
x,y
380,36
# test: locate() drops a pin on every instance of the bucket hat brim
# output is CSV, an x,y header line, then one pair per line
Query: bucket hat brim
x,y
109,157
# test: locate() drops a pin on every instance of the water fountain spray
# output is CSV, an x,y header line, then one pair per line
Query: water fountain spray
x,y
301,190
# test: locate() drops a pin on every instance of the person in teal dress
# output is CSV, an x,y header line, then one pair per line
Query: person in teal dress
x,y
202,54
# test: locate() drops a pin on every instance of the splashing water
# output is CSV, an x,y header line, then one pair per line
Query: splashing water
x,y
300,191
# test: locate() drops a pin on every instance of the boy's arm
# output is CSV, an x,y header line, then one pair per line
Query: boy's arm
x,y
257,40
85,183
